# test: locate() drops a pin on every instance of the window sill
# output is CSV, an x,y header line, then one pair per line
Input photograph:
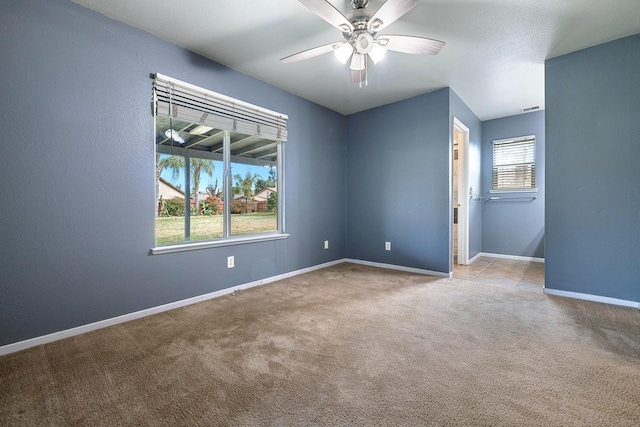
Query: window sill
x,y
238,240
524,190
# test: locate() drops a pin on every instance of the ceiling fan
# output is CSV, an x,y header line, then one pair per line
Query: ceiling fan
x,y
360,29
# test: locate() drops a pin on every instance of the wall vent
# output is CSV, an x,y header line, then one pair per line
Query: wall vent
x,y
527,109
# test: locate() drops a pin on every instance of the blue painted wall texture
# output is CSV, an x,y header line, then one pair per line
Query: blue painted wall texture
x,y
514,227
593,171
459,110
78,193
398,183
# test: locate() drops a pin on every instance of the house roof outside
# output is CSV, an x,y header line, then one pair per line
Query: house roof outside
x,y
264,194
261,195
167,190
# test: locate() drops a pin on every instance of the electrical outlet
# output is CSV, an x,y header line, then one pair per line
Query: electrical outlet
x,y
387,246
230,262
326,244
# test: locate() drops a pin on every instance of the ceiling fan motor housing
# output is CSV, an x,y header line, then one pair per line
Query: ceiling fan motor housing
x,y
359,4
361,38
359,19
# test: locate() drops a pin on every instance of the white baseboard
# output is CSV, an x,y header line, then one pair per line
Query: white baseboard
x,y
594,298
23,345
475,257
514,257
399,267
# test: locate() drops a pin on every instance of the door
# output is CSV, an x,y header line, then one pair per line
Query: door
x,y
461,193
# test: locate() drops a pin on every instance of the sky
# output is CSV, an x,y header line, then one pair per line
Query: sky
x,y
205,180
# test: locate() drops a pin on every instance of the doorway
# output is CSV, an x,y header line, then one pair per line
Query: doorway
x,y
460,234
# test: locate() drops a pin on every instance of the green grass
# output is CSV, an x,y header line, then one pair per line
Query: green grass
x,y
171,229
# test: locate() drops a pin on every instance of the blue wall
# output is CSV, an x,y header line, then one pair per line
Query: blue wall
x,y
460,111
514,227
593,171
77,217
77,211
399,183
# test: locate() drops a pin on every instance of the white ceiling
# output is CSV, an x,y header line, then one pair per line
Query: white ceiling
x,y
493,59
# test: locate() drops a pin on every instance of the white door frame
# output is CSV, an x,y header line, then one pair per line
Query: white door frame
x,y
463,191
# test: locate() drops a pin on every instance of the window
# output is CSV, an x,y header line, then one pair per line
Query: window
x,y
514,167
219,169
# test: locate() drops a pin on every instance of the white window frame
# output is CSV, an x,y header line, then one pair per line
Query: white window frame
x,y
236,115
533,189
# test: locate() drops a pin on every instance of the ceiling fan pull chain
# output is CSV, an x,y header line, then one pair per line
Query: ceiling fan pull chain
x,y
366,74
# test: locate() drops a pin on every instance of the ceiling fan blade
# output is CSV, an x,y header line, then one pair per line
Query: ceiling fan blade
x,y
389,12
359,76
411,44
310,53
329,13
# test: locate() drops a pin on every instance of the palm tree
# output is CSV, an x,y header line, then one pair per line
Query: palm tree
x,y
175,163
273,177
247,185
212,189
198,166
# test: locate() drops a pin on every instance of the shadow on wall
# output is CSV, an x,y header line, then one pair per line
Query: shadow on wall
x,y
537,244
405,258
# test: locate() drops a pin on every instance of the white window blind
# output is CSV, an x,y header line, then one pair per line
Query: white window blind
x,y
183,101
514,166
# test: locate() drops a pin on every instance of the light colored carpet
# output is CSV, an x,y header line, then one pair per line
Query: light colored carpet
x,y
347,345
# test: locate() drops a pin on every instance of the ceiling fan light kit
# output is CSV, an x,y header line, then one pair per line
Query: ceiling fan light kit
x,y
343,52
357,62
360,28
377,53
364,43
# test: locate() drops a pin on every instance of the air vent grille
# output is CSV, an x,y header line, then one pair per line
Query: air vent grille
x,y
528,109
